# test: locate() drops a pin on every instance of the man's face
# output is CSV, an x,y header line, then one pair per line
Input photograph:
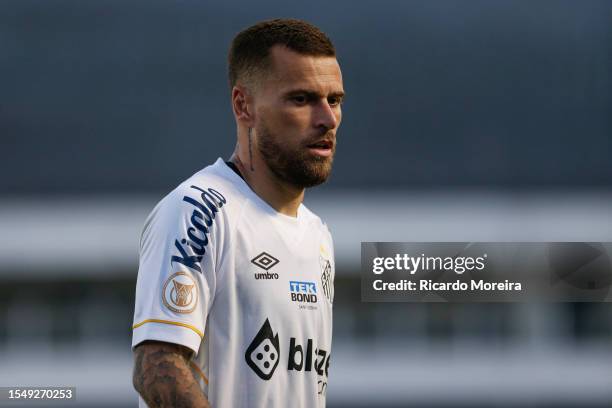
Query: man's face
x,y
298,112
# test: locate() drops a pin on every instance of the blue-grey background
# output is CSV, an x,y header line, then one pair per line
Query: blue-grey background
x,y
464,121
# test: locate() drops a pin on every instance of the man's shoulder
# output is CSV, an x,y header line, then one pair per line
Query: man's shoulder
x,y
209,191
217,179
314,219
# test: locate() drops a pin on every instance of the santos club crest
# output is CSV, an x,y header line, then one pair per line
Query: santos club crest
x,y
180,293
326,278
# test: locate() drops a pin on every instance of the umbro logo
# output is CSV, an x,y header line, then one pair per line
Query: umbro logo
x,y
265,261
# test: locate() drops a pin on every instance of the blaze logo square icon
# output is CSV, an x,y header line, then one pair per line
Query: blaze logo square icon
x,y
262,355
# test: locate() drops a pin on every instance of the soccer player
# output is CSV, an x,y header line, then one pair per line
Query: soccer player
x,y
235,281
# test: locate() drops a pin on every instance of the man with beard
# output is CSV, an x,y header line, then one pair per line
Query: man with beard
x,y
235,281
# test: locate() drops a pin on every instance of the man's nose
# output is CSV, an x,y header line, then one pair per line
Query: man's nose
x,y
325,116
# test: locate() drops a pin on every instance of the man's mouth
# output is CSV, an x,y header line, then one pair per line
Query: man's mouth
x,y
322,147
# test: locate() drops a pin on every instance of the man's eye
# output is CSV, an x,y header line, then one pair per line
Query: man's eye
x,y
335,100
299,99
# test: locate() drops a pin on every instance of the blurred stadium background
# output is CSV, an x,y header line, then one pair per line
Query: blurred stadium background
x,y
464,120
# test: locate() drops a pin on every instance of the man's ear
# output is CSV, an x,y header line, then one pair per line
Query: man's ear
x,y
242,105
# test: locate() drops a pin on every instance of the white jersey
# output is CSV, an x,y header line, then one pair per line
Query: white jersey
x,y
248,289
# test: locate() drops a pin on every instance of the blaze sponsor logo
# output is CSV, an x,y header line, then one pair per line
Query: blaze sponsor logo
x,y
265,261
180,293
303,291
307,360
300,360
263,354
192,248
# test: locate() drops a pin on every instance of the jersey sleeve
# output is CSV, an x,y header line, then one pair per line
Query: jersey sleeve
x,y
177,267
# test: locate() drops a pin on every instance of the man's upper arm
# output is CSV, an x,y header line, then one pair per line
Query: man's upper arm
x,y
176,275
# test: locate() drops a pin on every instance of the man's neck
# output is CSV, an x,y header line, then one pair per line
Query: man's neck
x,y
283,197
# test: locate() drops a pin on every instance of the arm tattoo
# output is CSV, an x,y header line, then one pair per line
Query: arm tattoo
x,y
163,377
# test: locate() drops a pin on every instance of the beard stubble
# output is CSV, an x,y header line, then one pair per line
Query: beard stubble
x,y
296,166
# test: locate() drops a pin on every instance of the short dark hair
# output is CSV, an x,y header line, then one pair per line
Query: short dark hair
x,y
249,52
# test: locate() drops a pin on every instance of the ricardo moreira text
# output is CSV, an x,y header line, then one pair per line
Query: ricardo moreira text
x,y
414,264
